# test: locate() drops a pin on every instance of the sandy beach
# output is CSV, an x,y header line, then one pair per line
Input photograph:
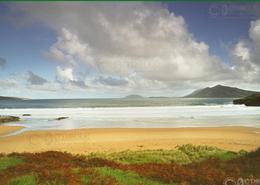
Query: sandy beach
x,y
8,129
116,139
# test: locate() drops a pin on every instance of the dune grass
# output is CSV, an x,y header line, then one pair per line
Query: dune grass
x,y
127,177
6,162
24,180
181,154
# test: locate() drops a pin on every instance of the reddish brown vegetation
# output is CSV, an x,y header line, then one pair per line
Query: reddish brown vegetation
x,y
49,166
5,119
210,171
57,167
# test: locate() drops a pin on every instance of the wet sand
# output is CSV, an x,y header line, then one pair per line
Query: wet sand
x,y
118,139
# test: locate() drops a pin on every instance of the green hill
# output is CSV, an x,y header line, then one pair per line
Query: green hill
x,y
253,100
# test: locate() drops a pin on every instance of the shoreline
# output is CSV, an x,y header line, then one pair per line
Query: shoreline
x,y
7,129
80,141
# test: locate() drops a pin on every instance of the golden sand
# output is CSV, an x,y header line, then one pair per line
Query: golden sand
x,y
4,129
118,139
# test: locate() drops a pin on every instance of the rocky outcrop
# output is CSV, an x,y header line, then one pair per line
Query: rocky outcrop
x,y
5,119
61,118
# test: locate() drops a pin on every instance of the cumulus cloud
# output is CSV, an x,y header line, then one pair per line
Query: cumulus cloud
x,y
254,32
246,55
138,39
136,46
65,74
34,79
2,62
68,50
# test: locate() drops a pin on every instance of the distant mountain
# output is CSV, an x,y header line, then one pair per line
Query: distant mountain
x,y
10,98
220,91
133,96
253,100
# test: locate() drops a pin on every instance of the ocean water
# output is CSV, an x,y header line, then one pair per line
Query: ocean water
x,y
130,113
116,102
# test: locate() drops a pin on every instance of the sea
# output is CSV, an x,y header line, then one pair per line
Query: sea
x,y
129,113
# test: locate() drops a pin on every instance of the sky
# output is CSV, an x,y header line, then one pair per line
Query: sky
x,y
108,50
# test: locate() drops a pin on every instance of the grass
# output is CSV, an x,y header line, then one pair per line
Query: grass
x,y
187,164
23,180
85,180
181,154
7,162
127,177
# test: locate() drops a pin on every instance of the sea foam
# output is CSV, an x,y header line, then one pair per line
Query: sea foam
x,y
137,117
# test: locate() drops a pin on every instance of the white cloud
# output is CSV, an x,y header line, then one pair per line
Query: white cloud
x,y
242,51
254,32
124,41
69,50
64,75
246,56
136,46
